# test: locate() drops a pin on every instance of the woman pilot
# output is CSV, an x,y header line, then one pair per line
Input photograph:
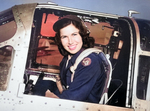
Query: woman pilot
x,y
72,37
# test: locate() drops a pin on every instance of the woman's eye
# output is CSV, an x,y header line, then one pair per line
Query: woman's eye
x,y
74,34
63,37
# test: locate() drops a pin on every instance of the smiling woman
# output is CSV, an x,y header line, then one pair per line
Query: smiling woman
x,y
58,38
87,83
72,36
71,39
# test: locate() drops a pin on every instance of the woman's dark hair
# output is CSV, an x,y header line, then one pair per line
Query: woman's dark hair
x,y
88,42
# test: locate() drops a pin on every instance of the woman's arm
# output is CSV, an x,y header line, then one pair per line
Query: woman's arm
x,y
50,94
59,85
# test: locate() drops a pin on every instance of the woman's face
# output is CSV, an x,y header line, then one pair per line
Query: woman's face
x,y
71,39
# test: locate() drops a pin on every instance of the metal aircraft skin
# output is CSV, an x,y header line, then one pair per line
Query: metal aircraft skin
x,y
28,50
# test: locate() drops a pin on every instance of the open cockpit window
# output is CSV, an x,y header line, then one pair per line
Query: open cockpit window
x,y
43,42
5,64
111,36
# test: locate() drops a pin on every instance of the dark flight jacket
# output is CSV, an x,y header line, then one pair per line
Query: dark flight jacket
x,y
89,78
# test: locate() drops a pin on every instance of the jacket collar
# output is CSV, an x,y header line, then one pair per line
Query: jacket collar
x,y
73,58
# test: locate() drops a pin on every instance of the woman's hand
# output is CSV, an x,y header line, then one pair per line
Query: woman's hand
x,y
50,94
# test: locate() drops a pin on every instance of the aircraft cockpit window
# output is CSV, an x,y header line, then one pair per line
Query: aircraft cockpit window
x,y
44,56
8,25
5,64
47,49
47,24
101,32
111,36
144,27
143,80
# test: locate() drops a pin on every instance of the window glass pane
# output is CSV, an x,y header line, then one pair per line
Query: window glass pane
x,y
144,27
48,52
143,75
101,32
7,25
5,64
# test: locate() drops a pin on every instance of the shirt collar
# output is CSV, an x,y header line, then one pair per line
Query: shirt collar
x,y
73,58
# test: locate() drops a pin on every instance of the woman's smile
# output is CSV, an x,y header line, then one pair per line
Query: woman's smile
x,y
72,47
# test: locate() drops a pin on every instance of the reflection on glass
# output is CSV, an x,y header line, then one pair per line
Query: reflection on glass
x,y
5,63
143,75
101,32
48,52
144,27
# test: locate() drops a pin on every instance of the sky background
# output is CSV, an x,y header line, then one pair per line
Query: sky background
x,y
118,7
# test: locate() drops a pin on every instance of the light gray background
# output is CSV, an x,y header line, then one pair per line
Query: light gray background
x,y
119,7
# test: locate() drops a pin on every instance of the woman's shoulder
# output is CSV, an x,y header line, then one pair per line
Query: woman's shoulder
x,y
93,53
95,56
92,58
